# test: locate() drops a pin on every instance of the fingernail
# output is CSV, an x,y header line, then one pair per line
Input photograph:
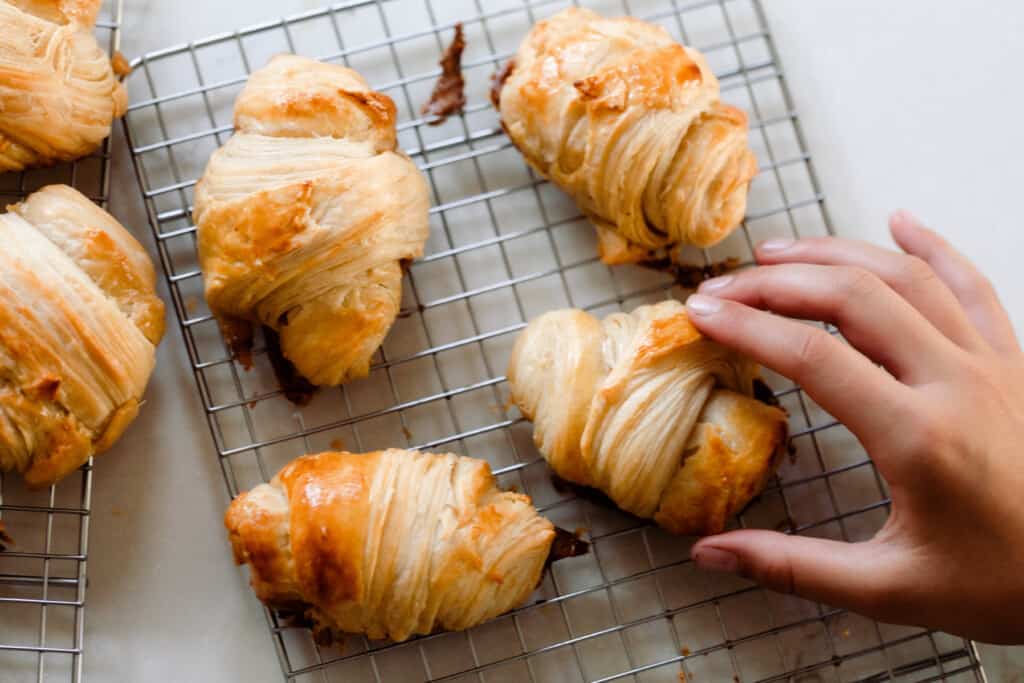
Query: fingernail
x,y
698,304
777,244
715,283
716,560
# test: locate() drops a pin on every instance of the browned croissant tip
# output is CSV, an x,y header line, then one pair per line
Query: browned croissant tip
x,y
119,63
381,108
667,335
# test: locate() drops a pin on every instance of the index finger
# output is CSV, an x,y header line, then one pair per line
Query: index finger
x,y
863,396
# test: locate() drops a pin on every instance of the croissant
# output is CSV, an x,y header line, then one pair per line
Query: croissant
x,y
389,544
306,215
629,123
58,91
644,408
79,325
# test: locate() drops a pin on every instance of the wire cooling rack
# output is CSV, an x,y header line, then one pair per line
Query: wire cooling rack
x,y
43,575
504,247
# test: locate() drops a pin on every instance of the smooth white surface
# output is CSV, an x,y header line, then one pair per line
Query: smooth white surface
x,y
904,104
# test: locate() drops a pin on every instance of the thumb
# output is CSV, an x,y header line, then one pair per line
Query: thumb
x,y
857,576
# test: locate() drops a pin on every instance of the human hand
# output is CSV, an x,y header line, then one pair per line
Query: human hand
x,y
942,418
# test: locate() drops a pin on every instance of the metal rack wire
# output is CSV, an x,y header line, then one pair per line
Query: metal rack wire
x,y
43,574
504,247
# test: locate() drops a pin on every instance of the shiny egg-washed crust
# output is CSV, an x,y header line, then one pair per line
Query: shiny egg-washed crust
x,y
58,90
306,215
644,408
389,544
79,323
629,123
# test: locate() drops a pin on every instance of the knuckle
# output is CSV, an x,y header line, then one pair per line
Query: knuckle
x,y
932,433
914,272
776,573
813,350
857,283
982,286
972,284
977,374
851,286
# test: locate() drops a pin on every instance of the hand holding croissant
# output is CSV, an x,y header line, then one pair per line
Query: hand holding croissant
x,y
943,420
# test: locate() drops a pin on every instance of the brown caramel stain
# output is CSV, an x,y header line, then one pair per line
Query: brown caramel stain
x,y
45,389
498,82
449,95
566,544
296,388
690,276
239,338
5,538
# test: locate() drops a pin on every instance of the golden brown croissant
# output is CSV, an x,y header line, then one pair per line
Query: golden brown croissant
x,y
79,325
628,122
391,543
644,408
58,92
306,214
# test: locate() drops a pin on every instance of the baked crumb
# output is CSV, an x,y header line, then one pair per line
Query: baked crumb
x,y
337,445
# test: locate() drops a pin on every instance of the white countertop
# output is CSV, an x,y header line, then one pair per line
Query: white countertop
x,y
906,104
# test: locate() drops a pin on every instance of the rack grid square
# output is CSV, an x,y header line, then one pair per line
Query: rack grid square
x,y
504,247
43,574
